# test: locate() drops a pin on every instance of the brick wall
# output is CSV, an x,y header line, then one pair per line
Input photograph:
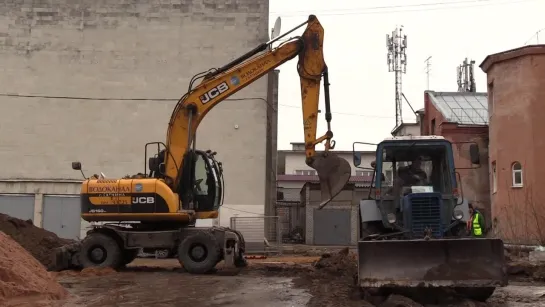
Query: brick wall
x,y
474,182
516,89
122,49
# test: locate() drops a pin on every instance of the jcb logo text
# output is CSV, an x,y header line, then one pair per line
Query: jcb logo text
x,y
143,200
214,92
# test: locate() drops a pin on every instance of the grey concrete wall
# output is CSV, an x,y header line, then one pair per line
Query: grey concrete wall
x,y
119,49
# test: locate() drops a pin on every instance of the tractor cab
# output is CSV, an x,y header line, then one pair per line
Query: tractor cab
x,y
414,166
415,186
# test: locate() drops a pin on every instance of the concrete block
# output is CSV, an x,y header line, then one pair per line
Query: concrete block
x,y
537,257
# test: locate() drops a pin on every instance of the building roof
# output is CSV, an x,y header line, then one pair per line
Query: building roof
x,y
495,58
463,108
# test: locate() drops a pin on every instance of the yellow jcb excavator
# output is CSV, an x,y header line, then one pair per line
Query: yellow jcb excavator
x,y
185,184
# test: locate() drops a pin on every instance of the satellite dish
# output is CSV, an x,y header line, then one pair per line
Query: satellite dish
x,y
276,30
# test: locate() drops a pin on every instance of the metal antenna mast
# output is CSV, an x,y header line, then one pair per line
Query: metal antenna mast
x,y
397,62
428,69
466,77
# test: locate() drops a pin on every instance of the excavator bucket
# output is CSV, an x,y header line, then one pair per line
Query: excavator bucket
x,y
333,172
472,262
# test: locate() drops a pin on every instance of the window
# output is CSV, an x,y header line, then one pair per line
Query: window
x,y
364,173
309,172
516,169
389,174
416,165
494,178
432,132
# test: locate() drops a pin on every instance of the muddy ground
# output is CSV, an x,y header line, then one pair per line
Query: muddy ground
x,y
272,282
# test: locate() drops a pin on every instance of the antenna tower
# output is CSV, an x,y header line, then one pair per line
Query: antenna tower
x,y
466,77
397,62
428,69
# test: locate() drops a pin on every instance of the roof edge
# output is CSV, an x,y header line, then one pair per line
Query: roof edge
x,y
511,54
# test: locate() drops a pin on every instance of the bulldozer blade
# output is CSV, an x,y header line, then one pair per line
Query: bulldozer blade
x,y
473,262
333,172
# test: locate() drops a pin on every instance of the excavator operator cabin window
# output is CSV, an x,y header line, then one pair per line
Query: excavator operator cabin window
x,y
201,174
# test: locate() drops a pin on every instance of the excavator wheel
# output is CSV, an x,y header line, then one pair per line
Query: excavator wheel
x,y
241,262
129,255
100,250
199,253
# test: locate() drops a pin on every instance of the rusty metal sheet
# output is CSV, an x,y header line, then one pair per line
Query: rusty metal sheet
x,y
432,263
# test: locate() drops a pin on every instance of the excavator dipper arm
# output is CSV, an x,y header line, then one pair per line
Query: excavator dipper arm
x,y
333,172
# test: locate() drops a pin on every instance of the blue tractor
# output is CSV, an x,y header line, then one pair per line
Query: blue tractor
x,y
412,226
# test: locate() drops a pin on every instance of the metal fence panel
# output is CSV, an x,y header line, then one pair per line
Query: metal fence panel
x,y
260,239
292,221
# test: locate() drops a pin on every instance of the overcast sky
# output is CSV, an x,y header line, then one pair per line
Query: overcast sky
x,y
362,89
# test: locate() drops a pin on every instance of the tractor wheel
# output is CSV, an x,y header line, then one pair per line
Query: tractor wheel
x,y
480,294
199,253
100,250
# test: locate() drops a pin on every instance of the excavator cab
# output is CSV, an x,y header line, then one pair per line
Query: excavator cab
x,y
203,183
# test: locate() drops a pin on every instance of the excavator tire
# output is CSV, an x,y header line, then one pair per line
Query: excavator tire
x,y
241,262
100,250
199,253
129,255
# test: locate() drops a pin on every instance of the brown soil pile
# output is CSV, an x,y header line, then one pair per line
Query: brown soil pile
x,y
524,269
342,263
332,281
22,277
37,241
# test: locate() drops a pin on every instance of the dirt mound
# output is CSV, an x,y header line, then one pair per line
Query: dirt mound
x,y
523,269
37,241
342,263
22,277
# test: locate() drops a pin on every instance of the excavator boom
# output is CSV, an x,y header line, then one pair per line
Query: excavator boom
x,y
217,86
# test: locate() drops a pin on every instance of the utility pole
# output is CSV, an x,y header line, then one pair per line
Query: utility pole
x,y
466,77
397,62
428,69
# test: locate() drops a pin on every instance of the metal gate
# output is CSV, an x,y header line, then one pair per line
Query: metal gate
x,y
18,206
61,215
258,240
332,227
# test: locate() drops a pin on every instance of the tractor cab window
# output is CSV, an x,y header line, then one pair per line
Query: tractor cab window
x,y
206,184
415,168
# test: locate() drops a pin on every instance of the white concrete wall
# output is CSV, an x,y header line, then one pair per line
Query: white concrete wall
x,y
112,49
296,161
409,129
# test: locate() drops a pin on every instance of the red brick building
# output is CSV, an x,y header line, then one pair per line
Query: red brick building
x,y
516,90
462,117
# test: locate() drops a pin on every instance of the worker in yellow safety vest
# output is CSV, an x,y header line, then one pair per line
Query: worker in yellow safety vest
x,y
475,225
